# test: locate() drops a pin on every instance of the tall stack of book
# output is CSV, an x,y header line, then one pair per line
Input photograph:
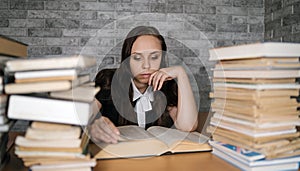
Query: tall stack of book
x,y
52,92
253,105
10,49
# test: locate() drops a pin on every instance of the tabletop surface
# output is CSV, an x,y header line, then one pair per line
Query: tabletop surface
x,y
175,162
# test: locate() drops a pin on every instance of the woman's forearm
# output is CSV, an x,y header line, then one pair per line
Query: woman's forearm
x,y
187,113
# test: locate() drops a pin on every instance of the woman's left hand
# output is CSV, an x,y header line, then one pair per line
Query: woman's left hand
x,y
160,76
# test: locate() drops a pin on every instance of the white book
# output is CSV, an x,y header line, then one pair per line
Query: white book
x,y
256,125
24,154
56,143
252,133
259,86
50,110
46,73
63,169
37,87
256,73
51,62
65,165
254,50
80,93
44,86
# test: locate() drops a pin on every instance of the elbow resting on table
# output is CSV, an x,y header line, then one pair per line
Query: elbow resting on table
x,y
187,127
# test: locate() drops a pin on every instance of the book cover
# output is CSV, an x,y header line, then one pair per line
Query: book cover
x,y
236,151
280,164
256,50
270,74
12,47
50,110
50,62
45,75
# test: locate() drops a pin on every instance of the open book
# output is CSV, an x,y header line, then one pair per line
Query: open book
x,y
155,141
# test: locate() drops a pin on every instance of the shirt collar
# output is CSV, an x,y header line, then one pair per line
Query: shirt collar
x,y
137,94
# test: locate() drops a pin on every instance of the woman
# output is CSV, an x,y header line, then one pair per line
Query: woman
x,y
143,73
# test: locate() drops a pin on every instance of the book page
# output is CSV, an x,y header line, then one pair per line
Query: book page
x,y
174,136
132,132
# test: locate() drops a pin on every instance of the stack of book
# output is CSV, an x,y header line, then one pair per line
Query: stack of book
x,y
253,105
10,49
52,146
251,160
52,90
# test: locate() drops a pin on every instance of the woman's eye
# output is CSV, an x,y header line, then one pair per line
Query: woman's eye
x,y
154,57
137,57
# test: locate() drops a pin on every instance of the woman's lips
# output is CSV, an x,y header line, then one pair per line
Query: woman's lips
x,y
145,75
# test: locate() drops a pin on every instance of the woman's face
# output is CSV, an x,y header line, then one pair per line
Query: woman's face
x,y
146,55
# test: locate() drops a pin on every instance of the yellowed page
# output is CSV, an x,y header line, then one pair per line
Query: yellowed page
x,y
135,142
132,132
179,141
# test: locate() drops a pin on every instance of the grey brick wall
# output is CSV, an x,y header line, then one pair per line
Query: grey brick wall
x,y
282,20
97,27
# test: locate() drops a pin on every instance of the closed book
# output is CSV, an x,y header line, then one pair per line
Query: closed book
x,y
54,143
77,165
256,73
259,86
45,75
42,134
44,86
254,80
80,93
37,87
256,50
263,63
50,110
250,142
236,151
260,165
12,47
51,62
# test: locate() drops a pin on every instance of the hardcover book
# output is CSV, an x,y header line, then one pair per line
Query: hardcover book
x,y
155,141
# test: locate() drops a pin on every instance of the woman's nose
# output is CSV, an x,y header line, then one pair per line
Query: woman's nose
x,y
146,64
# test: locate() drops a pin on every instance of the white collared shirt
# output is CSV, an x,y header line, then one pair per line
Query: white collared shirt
x,y
143,104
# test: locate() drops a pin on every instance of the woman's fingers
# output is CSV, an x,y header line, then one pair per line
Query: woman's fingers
x,y
151,78
157,79
104,130
161,82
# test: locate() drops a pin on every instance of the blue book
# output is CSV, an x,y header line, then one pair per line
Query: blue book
x,y
291,163
235,151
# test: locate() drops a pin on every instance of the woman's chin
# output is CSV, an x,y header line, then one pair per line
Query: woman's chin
x,y
143,80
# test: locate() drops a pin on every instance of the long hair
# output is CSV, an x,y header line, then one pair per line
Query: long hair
x,y
119,80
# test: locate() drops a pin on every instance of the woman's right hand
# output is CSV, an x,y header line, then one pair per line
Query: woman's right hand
x,y
102,129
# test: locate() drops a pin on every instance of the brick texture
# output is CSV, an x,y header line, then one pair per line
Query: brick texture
x,y
282,18
191,27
